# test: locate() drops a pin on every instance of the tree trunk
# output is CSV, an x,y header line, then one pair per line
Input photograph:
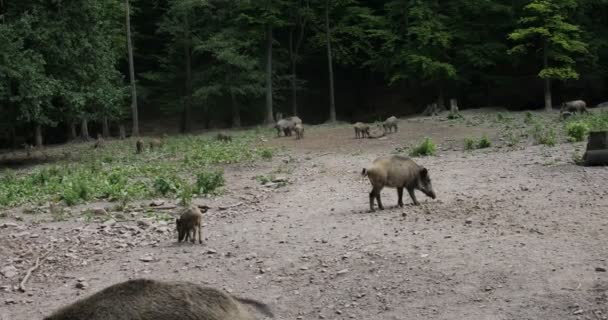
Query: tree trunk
x,y
105,125
13,137
187,113
269,118
72,130
440,97
84,130
132,73
332,103
294,88
453,106
38,137
236,112
122,132
548,102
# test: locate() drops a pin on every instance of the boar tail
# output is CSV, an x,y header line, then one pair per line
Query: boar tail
x,y
364,172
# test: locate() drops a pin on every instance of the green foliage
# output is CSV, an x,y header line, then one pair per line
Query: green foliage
x,y
469,144
577,131
425,148
209,182
455,116
544,135
529,118
484,142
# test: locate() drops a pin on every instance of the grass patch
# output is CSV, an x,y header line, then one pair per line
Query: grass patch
x,y
455,116
116,173
484,142
469,144
579,126
577,131
208,182
472,144
426,148
544,135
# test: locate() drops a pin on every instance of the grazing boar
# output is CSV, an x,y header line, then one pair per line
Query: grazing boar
x,y
390,124
299,131
576,106
285,126
188,223
156,143
99,143
296,120
145,299
223,137
139,146
361,130
397,172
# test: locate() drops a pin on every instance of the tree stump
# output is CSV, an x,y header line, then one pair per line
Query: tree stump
x,y
453,106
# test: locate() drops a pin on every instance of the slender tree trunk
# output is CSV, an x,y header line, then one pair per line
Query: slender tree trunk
x,y
332,103
132,73
12,137
187,113
38,135
294,88
548,102
236,112
440,97
122,132
105,125
84,130
269,115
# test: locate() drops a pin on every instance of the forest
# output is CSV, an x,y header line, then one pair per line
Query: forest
x,y
75,69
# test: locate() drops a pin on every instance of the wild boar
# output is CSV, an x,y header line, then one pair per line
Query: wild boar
x,y
285,126
390,124
139,146
397,172
189,222
299,131
144,299
223,137
361,130
576,106
156,143
99,143
294,119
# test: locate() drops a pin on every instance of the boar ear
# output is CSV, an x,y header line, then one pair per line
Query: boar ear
x,y
424,172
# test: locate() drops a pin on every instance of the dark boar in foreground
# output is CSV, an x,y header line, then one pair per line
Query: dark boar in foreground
x,y
397,172
143,299
188,223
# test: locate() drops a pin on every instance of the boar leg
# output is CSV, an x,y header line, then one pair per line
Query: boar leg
x,y
200,237
413,196
377,192
400,194
371,201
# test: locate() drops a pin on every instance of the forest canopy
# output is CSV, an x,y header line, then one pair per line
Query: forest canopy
x,y
64,65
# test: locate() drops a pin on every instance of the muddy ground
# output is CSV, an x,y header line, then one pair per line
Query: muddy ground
x,y
516,233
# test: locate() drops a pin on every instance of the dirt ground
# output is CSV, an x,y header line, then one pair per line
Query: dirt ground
x,y
515,233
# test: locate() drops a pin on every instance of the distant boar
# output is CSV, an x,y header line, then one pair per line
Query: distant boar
x,y
223,137
156,143
576,106
361,130
99,143
144,299
390,124
397,172
188,223
299,131
285,126
139,146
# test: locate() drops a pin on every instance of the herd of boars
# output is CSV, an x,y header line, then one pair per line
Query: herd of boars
x,y
362,130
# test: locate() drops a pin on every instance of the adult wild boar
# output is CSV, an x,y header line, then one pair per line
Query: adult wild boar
x,y
576,106
390,124
397,172
143,299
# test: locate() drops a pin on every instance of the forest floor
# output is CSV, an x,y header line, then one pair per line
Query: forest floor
x,y
516,232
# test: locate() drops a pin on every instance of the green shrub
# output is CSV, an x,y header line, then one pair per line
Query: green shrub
x,y
543,135
577,131
165,186
209,182
75,192
484,142
426,148
529,118
186,195
511,138
266,154
469,144
455,116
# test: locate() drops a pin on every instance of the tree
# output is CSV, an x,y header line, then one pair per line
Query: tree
x,y
135,130
300,15
545,27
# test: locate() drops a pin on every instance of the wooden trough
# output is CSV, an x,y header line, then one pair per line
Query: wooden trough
x,y
597,149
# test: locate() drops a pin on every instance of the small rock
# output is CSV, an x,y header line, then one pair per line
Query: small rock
x,y
99,211
157,203
468,221
211,251
279,179
10,301
9,225
9,271
146,259
600,269
109,223
81,285
144,224
343,271
577,312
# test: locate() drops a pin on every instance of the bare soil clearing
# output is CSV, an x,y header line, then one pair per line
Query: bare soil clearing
x,y
514,234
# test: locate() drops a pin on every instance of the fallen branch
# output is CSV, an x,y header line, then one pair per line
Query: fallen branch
x,y
231,206
39,261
